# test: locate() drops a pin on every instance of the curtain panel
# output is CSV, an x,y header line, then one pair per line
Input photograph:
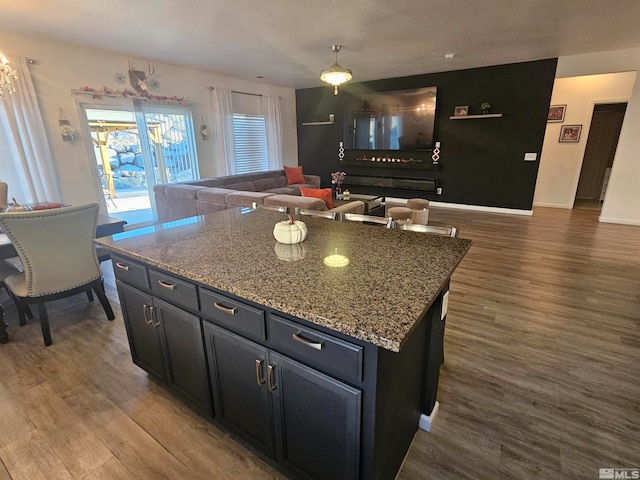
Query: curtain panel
x,y
27,163
223,140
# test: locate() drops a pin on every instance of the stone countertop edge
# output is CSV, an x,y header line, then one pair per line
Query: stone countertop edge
x,y
389,326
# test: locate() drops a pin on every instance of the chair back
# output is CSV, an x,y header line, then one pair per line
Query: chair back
x,y
273,208
317,213
56,247
4,194
356,217
413,227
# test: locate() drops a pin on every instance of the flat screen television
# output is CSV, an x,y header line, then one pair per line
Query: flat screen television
x,y
391,120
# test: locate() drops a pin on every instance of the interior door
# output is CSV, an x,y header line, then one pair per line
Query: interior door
x,y
600,149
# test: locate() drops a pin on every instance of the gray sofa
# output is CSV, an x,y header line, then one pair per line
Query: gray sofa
x,y
198,197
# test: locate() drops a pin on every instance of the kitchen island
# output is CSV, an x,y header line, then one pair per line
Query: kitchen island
x,y
324,369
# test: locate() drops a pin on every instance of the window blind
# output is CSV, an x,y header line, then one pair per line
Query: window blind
x,y
251,143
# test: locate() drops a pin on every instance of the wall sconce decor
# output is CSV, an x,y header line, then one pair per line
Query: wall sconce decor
x,y
205,132
66,130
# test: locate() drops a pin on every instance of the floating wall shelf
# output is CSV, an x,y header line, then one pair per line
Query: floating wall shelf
x,y
469,117
330,122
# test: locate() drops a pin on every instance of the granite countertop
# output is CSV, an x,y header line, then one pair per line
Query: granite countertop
x,y
392,277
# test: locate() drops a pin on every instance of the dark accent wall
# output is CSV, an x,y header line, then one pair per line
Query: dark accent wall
x,y
481,160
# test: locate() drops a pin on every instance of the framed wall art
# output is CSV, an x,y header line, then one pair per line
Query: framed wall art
x,y
556,113
570,133
461,111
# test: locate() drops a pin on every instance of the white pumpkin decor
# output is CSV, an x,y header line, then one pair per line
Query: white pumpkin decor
x,y
290,231
290,253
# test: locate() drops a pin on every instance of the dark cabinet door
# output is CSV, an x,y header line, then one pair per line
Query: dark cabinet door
x,y
239,380
317,421
143,333
184,354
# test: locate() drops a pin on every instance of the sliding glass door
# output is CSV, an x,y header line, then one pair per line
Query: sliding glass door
x,y
137,147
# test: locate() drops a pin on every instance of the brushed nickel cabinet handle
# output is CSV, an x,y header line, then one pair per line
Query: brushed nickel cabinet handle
x,y
145,313
309,343
270,375
259,377
169,286
122,266
153,316
222,308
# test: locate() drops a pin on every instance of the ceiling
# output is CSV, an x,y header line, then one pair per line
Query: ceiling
x,y
288,42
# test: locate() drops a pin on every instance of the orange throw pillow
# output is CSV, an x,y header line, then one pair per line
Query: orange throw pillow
x,y
321,193
294,175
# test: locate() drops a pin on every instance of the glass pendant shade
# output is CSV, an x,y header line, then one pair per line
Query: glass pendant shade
x,y
336,74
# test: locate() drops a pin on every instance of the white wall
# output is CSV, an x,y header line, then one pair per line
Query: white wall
x,y
62,68
622,201
560,163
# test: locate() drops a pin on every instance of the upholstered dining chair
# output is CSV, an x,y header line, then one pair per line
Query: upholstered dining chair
x,y
59,258
447,231
356,217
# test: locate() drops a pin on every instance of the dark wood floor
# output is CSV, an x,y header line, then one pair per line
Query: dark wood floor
x,y
541,380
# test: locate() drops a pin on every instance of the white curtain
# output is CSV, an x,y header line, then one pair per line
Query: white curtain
x,y
26,163
273,126
224,145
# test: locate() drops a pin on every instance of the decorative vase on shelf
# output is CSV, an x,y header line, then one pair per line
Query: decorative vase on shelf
x,y
485,107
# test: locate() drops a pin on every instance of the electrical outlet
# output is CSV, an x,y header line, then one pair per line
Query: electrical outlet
x,y
439,191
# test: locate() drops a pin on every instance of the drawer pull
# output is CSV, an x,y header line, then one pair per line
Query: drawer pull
x,y
168,286
222,308
270,374
259,376
309,343
122,266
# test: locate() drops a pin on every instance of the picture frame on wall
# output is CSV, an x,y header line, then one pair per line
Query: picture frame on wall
x,y
461,111
570,133
556,113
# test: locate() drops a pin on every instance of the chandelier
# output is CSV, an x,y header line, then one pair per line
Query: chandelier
x,y
7,76
336,74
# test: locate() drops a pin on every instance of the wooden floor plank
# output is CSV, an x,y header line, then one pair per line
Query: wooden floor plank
x,y
32,458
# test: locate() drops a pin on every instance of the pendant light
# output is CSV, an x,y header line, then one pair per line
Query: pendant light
x,y
336,74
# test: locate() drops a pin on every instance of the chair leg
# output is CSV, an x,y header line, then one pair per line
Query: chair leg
x,y
44,323
98,287
22,308
89,295
4,336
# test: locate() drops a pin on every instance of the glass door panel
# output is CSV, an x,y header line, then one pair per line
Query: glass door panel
x,y
137,148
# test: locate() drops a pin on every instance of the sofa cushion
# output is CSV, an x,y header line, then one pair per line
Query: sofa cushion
x,y
244,186
263,184
246,199
292,190
325,194
294,175
187,191
215,195
292,201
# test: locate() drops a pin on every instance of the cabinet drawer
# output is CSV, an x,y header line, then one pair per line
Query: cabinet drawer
x,y
130,272
327,352
173,290
234,315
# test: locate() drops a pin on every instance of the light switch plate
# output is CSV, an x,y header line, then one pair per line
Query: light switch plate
x,y
530,157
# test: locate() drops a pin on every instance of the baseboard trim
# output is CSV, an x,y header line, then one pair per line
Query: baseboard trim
x,y
427,420
461,206
480,208
621,221
552,205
